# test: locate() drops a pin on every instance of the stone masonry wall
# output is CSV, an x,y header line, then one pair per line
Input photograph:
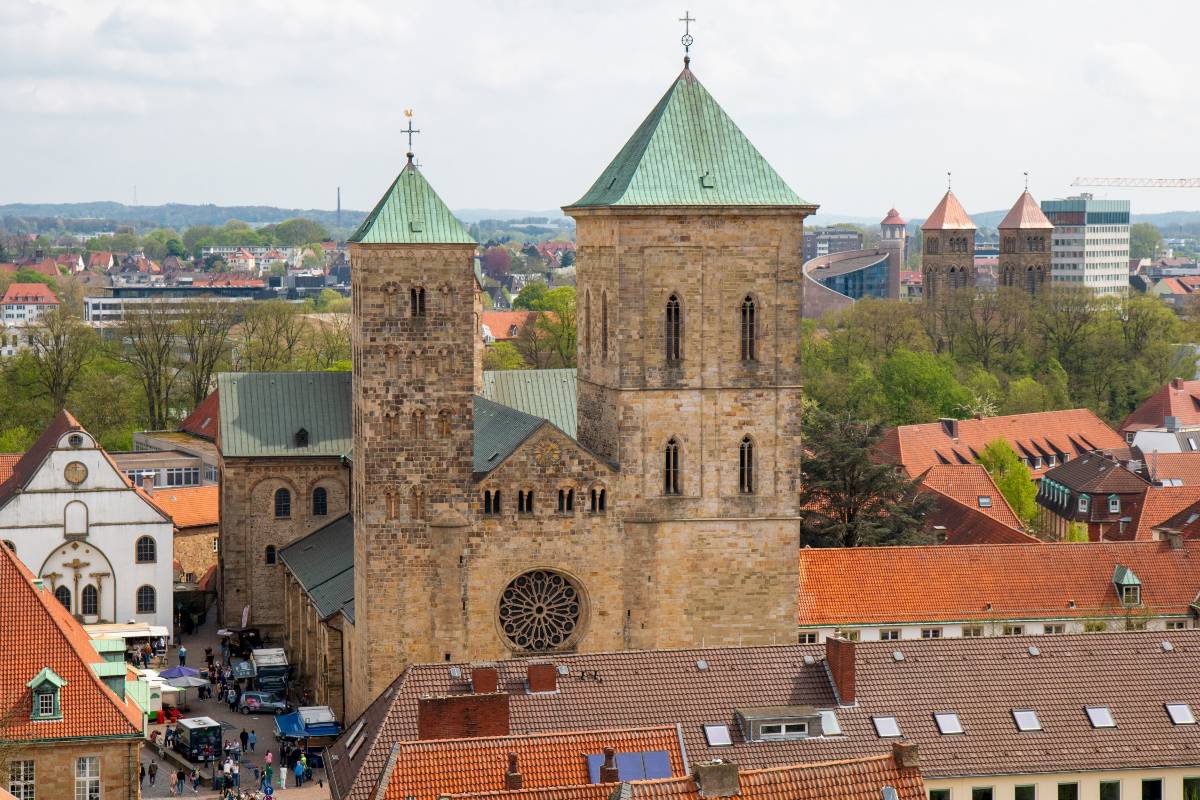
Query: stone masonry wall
x,y
54,766
194,549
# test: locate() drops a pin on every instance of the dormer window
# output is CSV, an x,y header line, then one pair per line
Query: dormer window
x,y
46,688
301,438
1131,595
1128,586
1114,504
1084,503
776,723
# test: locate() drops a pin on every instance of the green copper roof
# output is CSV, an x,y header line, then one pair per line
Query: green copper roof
x,y
547,393
688,152
1123,576
262,412
410,212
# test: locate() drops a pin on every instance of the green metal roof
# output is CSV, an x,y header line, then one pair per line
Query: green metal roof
x,y
548,393
323,563
499,430
410,212
688,152
261,412
1123,576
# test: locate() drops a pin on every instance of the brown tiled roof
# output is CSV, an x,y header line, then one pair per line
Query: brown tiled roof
x,y
949,215
38,633
1038,435
431,768
1159,504
204,419
1097,473
965,484
1179,399
1025,214
870,585
982,679
850,779
952,523
1171,466
189,506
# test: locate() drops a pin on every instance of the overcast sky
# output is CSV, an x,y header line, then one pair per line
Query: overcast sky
x,y
859,105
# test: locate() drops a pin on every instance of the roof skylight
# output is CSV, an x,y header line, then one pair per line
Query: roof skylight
x,y
985,501
1026,719
1181,713
717,735
948,722
886,727
829,724
1101,717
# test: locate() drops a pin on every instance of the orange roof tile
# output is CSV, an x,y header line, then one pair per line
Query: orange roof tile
x,y
869,585
204,419
1165,466
966,484
29,293
503,323
1159,504
893,218
1179,399
38,633
1026,214
1033,436
190,506
949,215
430,768
7,462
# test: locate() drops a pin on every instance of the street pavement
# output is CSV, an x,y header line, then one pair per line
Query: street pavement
x,y
232,724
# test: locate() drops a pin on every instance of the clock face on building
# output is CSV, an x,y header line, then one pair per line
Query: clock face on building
x,y
546,454
75,473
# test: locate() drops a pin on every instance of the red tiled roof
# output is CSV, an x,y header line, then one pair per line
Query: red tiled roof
x,y
850,779
217,282
101,260
1174,466
7,462
46,267
38,633
1025,214
431,768
867,585
1037,435
949,215
30,294
204,419
190,506
7,267
1159,504
893,218
501,323
1179,399
965,484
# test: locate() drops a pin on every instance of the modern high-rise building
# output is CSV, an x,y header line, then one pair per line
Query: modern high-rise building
x,y
1090,245
823,241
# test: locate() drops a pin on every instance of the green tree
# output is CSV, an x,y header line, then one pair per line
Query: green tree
x,y
503,355
920,387
1013,479
295,232
61,345
1145,240
531,296
557,324
850,498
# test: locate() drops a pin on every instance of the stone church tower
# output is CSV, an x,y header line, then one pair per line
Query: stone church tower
x,y
948,251
1025,235
893,239
689,289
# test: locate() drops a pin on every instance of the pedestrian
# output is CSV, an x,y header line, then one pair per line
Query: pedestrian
x,y
182,656
267,772
231,697
180,777
245,737
153,771
252,739
195,781
237,775
270,757
299,774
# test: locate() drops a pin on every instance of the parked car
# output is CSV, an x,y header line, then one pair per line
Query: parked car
x,y
263,703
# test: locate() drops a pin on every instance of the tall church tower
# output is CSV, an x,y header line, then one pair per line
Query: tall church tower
x,y
1025,235
893,239
689,288
417,366
948,251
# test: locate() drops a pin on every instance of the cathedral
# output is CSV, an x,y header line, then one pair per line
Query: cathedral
x,y
664,514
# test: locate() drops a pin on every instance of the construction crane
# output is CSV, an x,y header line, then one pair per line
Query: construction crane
x,y
1147,183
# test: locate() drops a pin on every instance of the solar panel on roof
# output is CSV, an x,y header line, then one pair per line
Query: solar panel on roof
x,y
656,763
635,766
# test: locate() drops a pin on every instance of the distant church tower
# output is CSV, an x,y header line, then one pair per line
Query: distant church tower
x,y
689,289
948,251
893,238
417,366
1025,235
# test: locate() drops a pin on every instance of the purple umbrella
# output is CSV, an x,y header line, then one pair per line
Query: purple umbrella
x,y
179,672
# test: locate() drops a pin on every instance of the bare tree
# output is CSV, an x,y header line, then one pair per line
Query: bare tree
x,y
204,336
62,345
329,339
270,334
147,342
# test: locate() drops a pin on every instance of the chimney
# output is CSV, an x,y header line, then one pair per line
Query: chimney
x,y
950,427
148,483
1177,383
906,755
839,660
718,779
484,680
939,534
512,778
462,716
542,678
1171,424
1174,539
608,770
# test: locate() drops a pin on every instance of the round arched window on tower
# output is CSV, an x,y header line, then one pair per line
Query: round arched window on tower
x,y
541,610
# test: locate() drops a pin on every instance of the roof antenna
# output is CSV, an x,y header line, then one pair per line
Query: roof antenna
x,y
410,130
687,19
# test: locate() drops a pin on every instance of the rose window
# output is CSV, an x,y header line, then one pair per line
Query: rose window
x,y
540,610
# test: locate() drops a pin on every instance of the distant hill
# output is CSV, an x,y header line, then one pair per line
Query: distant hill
x,y
479,214
104,215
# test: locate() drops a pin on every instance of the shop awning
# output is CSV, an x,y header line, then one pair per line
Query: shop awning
x,y
307,722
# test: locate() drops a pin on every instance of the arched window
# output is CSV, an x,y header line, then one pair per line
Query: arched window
x,y
269,555
931,245
749,330
525,501
145,600
566,501
671,467
76,519
746,466
597,505
283,504
418,423
491,502
89,601
673,330
604,326
320,502
416,298
63,595
146,550
443,422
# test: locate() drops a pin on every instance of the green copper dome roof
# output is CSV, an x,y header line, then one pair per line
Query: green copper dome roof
x,y
688,152
410,212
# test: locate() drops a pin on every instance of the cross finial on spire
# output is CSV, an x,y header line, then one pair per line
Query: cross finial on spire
x,y
410,130
1027,181
687,19
947,180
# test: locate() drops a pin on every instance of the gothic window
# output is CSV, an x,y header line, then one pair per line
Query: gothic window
x,y
540,610
146,601
1010,244
749,330
416,301
63,595
746,466
443,422
674,329
418,424
320,502
89,601
146,550
418,503
283,504
931,245
566,501
671,467
525,501
269,555
604,326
